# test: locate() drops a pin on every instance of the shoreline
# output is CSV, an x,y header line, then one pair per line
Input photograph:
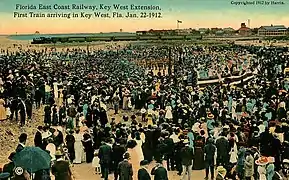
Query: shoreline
x,y
15,45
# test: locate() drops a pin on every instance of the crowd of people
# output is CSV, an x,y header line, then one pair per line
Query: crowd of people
x,y
240,130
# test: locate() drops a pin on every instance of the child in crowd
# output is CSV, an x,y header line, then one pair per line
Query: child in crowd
x,y
95,163
143,114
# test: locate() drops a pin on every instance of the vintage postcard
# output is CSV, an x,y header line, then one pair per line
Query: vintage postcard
x,y
135,89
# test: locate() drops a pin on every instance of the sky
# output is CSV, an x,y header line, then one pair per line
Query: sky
x,y
192,13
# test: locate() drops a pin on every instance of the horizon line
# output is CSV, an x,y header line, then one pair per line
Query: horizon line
x,y
16,33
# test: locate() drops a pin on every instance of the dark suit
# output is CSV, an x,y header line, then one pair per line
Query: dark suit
x,y
38,140
169,153
125,170
143,174
61,170
223,148
160,173
117,157
19,148
187,155
9,168
104,155
209,151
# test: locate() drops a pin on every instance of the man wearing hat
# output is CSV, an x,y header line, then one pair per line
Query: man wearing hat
x,y
8,168
159,172
209,153
210,122
221,173
169,151
187,155
105,152
60,168
125,170
118,150
22,140
143,171
70,140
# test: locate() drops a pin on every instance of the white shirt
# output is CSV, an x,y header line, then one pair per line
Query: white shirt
x,y
175,138
261,128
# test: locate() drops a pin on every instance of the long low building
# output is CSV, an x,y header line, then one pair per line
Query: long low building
x,y
277,30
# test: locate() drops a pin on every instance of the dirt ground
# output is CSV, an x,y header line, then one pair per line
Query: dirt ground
x,y
86,172
9,132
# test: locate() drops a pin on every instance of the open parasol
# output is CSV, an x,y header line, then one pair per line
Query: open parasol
x,y
32,159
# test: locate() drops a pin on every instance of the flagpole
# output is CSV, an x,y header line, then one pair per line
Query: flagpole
x,y
178,23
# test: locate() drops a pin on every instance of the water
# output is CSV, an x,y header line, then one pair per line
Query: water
x,y
28,37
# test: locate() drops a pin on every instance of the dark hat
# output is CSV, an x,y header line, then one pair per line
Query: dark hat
x,y
126,155
23,137
144,162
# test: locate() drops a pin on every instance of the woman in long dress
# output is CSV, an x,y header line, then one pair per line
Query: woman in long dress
x,y
138,147
135,152
55,90
2,110
199,162
79,151
169,114
233,152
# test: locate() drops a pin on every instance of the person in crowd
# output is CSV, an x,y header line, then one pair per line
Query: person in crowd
x,y
22,141
118,150
70,142
187,155
88,148
9,168
143,173
221,173
78,147
169,152
239,115
95,163
249,165
60,168
38,138
209,153
105,153
159,172
124,169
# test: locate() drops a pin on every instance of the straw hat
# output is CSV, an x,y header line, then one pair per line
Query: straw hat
x,y
186,141
221,170
210,116
262,161
58,153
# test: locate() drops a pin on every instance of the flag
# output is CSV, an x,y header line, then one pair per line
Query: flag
x,y
180,21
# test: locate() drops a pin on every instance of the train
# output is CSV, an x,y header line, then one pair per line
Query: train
x,y
53,40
